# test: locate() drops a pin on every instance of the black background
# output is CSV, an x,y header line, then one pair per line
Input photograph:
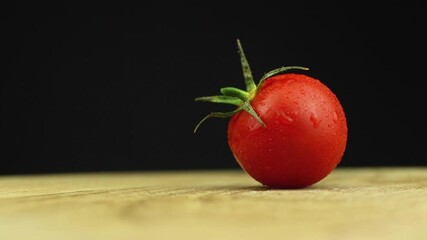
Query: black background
x,y
111,86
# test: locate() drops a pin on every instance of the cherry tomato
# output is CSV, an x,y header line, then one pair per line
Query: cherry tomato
x,y
304,138
289,131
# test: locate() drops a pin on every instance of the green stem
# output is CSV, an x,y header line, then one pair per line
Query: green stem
x,y
221,99
277,71
218,115
249,80
248,108
240,98
235,92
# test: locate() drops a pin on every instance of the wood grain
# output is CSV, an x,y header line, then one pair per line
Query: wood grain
x,y
364,203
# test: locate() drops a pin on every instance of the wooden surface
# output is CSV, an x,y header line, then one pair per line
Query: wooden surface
x,y
368,203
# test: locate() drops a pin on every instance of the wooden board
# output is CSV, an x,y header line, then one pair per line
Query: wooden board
x,y
365,203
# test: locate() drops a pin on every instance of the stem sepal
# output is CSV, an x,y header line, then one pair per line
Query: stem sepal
x,y
238,97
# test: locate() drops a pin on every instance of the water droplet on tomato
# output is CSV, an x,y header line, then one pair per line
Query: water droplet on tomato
x,y
256,125
315,120
285,118
335,117
288,118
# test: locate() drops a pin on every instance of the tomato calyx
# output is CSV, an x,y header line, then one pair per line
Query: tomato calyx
x,y
239,97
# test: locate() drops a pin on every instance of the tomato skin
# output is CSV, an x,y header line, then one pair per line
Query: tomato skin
x,y
305,135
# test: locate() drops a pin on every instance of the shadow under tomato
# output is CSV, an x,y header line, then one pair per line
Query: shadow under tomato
x,y
263,188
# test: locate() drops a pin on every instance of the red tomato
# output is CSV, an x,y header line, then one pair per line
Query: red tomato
x,y
289,131
304,138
